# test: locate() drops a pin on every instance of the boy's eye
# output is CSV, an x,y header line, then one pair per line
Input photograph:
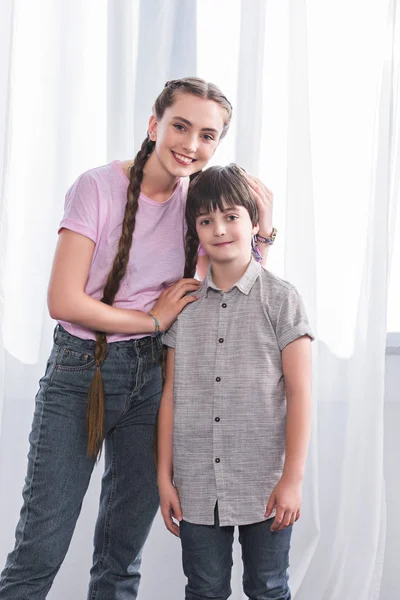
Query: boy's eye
x,y
205,222
232,217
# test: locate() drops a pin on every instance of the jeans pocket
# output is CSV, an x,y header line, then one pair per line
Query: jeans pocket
x,y
69,359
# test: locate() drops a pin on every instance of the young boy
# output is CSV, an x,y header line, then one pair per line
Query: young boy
x,y
235,412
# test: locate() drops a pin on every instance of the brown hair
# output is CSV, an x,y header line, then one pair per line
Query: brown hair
x,y
188,85
216,187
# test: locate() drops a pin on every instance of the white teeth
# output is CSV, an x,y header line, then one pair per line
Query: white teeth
x,y
184,159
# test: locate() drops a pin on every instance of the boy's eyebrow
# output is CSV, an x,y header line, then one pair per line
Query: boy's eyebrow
x,y
189,124
224,210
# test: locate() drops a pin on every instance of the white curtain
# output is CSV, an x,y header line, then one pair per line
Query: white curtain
x,y
315,89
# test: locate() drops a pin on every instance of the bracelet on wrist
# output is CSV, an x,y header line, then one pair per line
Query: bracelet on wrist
x,y
156,321
267,240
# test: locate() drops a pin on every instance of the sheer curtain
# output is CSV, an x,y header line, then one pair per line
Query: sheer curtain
x,y
315,91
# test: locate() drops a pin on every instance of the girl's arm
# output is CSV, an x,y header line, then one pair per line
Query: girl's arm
x,y
67,300
169,500
202,266
264,198
286,496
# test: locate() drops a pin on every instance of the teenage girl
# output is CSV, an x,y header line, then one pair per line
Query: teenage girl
x,y
115,285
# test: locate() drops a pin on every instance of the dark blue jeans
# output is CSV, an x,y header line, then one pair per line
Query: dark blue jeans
x,y
59,469
207,560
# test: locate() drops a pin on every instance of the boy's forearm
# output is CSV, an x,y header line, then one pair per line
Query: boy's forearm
x,y
298,426
164,440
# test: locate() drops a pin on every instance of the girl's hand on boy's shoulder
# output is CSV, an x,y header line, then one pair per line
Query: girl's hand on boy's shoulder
x,y
170,507
286,498
173,300
264,198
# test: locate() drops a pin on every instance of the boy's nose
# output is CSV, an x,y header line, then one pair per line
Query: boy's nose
x,y
219,229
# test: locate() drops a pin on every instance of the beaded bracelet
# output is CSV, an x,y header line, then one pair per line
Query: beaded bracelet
x,y
156,321
267,240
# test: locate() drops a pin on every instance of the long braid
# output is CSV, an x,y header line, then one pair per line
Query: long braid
x,y
96,400
191,253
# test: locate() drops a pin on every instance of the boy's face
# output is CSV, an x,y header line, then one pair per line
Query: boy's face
x,y
226,235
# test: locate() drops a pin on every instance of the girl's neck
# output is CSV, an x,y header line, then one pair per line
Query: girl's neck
x,y
225,275
157,183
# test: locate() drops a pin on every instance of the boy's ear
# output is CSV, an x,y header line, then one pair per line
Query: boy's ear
x,y
152,128
255,229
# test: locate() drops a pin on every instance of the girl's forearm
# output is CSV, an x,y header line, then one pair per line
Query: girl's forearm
x,y
81,309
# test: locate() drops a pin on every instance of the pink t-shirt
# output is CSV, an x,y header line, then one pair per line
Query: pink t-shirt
x,y
94,207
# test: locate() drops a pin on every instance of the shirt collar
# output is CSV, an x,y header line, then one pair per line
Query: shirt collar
x,y
244,284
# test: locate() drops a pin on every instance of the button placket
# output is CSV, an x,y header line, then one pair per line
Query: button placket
x,y
219,386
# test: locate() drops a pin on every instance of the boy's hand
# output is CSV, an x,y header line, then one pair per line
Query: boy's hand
x,y
286,497
170,507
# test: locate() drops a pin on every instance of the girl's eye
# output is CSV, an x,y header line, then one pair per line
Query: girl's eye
x,y
208,137
179,127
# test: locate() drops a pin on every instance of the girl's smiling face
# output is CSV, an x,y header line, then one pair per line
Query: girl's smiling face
x,y
226,234
187,135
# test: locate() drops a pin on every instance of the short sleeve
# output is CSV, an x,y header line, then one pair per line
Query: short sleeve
x,y
169,338
292,321
81,208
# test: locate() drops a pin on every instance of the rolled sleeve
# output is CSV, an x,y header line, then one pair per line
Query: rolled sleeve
x,y
292,320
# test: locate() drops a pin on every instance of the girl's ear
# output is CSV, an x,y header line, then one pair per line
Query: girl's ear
x,y
152,128
255,229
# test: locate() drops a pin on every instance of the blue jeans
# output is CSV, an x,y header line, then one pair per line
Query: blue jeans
x,y
59,469
207,560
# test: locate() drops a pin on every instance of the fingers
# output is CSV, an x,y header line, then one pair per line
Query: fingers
x,y
257,184
170,524
280,513
186,300
270,506
284,518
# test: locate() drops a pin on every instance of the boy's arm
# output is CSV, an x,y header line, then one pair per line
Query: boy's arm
x,y
169,500
286,497
296,365
166,423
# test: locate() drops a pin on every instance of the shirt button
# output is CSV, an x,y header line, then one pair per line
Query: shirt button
x,y
217,419
217,460
224,305
221,340
218,379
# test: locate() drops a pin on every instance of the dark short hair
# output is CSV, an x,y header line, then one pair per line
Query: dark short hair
x,y
219,187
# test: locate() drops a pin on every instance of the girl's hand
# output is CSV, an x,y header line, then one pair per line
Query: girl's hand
x,y
286,497
264,198
173,300
170,507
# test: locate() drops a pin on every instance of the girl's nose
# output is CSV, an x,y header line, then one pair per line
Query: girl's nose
x,y
190,144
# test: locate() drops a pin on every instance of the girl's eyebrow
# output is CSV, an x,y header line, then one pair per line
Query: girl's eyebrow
x,y
189,124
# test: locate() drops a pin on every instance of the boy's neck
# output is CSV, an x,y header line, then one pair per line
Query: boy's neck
x,y
157,183
226,275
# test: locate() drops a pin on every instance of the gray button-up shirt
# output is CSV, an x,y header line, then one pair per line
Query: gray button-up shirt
x,y
229,395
